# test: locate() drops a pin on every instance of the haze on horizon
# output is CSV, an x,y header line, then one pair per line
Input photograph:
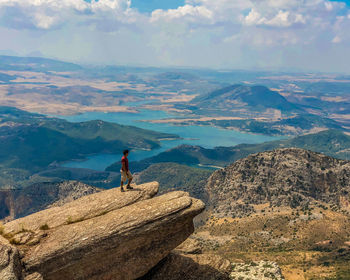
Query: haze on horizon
x,y
310,35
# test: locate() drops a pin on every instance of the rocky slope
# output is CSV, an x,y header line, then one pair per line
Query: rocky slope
x,y
36,197
287,206
284,177
188,262
107,235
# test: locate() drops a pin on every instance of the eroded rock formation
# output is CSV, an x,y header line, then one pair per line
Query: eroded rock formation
x,y
107,235
285,177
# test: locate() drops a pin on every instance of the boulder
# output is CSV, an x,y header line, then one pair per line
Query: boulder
x,y
107,235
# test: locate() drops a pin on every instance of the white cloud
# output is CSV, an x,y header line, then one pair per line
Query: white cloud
x,y
43,21
254,18
281,19
220,33
58,4
336,39
183,12
45,14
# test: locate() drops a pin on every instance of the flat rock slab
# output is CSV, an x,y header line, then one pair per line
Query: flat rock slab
x,y
83,208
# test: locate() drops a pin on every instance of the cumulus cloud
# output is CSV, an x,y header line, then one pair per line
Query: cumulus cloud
x,y
281,19
185,12
46,14
220,33
254,18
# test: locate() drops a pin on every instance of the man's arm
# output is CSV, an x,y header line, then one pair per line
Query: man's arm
x,y
123,166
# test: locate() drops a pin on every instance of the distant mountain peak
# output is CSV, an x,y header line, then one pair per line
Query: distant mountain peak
x,y
252,99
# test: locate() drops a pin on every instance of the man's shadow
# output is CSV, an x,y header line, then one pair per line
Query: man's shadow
x,y
133,190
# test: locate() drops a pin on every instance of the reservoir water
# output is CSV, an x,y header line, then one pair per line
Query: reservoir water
x,y
205,136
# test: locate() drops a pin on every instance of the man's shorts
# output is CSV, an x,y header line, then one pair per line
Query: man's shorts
x,y
125,175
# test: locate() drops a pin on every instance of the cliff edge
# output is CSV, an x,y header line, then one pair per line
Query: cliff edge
x,y
106,235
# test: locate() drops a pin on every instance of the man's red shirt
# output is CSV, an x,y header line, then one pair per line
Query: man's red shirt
x,y
126,162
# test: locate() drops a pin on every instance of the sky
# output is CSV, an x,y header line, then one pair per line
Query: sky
x,y
302,35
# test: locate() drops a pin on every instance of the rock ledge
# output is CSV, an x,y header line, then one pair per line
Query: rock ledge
x,y
106,235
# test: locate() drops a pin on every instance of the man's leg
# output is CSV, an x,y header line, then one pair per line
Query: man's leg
x,y
122,180
129,180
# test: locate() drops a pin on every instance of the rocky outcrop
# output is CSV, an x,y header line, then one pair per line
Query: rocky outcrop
x,y
84,208
107,235
10,265
285,177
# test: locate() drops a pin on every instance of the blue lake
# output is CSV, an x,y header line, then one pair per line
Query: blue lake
x,y
205,136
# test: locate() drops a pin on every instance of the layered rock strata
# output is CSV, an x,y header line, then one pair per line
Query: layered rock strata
x,y
107,235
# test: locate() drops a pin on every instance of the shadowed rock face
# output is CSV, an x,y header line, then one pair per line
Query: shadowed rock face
x,y
5,204
107,235
10,266
190,267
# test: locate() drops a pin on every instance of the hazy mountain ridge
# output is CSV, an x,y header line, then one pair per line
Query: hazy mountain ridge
x,y
264,102
258,98
35,64
259,109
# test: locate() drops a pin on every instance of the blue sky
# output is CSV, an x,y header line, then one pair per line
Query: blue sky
x,y
345,1
221,34
150,5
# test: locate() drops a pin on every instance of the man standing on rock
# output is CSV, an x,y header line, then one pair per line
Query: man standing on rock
x,y
125,172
